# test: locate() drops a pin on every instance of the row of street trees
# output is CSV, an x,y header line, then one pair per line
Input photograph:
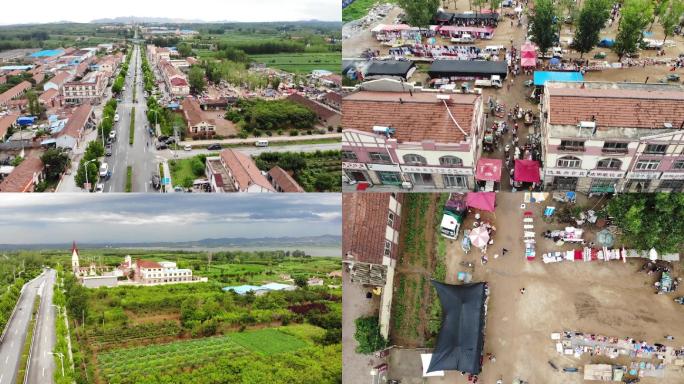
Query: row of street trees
x,y
588,21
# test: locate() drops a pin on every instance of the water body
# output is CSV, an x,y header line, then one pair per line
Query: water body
x,y
310,250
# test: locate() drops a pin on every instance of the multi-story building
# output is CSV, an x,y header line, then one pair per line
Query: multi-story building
x,y
175,80
399,135
199,124
613,137
89,89
370,226
153,272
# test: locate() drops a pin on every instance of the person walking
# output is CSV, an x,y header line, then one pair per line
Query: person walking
x,y
522,291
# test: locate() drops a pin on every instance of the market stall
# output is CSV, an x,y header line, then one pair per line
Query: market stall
x,y
528,55
488,174
526,173
485,201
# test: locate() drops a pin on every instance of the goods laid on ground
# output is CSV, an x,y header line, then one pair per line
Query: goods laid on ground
x,y
528,238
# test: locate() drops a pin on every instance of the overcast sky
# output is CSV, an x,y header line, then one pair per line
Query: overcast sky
x,y
53,218
47,11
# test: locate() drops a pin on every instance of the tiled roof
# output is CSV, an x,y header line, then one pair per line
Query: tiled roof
x,y
178,82
364,222
77,121
416,117
14,91
3,79
48,95
334,97
284,180
21,178
616,108
60,78
322,111
6,122
193,112
244,170
148,264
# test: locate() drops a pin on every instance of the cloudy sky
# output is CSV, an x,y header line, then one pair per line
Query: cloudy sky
x,y
53,218
46,11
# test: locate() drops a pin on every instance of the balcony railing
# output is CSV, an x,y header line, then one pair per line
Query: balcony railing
x,y
614,150
571,149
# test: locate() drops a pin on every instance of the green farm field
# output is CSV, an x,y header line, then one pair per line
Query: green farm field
x,y
301,62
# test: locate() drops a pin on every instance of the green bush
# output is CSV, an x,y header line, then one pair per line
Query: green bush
x,y
294,133
368,335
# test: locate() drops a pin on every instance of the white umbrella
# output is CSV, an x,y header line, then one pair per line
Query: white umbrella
x,y
652,254
479,237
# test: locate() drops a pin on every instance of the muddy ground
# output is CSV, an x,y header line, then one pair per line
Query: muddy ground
x,y
609,298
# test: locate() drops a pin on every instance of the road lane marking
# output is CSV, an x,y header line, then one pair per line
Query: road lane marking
x,y
6,359
43,371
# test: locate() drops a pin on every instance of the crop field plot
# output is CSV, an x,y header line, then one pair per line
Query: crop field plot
x,y
133,364
301,62
267,341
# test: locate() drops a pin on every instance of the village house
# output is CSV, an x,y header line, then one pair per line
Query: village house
x,y
588,147
370,243
57,81
199,125
24,177
403,136
233,171
7,122
14,93
81,119
333,100
50,98
89,89
282,181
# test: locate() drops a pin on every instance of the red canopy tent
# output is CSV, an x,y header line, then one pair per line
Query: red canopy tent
x,y
488,169
526,171
481,200
528,55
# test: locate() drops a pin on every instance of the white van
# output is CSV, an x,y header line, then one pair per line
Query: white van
x,y
261,143
492,49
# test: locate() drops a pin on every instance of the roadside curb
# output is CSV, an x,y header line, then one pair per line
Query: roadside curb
x,y
2,337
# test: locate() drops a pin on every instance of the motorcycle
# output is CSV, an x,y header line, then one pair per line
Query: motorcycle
x,y
679,300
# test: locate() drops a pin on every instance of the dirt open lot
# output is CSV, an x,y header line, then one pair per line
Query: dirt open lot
x,y
608,298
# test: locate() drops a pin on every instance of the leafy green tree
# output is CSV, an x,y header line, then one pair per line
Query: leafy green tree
x,y
419,13
56,161
670,17
544,25
636,14
649,220
300,281
368,335
591,20
184,49
196,79
494,4
34,106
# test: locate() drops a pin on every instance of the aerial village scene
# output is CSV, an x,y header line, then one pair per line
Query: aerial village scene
x,y
125,105
576,106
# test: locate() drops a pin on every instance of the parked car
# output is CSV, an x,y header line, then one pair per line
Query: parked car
x,y
162,138
99,188
214,147
112,135
116,118
108,150
104,168
187,147
261,143
170,140
161,146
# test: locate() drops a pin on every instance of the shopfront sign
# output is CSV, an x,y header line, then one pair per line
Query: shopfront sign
x,y
643,175
672,176
384,167
439,170
605,174
360,166
566,172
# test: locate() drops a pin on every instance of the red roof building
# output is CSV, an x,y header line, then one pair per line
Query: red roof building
x,y
282,181
24,177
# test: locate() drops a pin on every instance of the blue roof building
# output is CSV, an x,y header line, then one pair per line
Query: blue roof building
x,y
541,77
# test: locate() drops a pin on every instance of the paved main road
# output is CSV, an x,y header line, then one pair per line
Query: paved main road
x,y
11,347
141,155
42,364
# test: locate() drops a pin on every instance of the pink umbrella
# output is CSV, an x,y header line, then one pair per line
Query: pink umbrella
x,y
479,237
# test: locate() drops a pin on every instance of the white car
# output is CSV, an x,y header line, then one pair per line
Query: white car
x,y
187,147
104,168
116,117
112,135
99,188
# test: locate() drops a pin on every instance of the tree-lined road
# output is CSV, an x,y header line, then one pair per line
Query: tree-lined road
x,y
11,347
42,366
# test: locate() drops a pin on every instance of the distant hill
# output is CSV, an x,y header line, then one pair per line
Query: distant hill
x,y
274,242
147,20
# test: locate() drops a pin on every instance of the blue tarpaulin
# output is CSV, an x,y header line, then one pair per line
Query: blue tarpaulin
x,y
26,120
606,43
541,77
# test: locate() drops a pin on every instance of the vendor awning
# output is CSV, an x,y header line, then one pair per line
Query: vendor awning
x,y
481,200
541,77
454,28
461,335
399,68
488,169
526,171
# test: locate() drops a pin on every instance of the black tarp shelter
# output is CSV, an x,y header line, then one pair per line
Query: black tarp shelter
x,y
468,68
461,336
397,68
